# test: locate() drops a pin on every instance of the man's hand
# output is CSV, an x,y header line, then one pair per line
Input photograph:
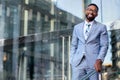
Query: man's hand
x,y
98,65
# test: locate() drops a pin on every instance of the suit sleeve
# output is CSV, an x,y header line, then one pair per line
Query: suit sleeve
x,y
74,44
104,42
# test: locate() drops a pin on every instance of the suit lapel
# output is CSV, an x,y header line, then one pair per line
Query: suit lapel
x,y
82,38
92,30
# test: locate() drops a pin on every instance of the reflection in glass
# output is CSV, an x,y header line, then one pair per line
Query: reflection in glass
x,y
36,40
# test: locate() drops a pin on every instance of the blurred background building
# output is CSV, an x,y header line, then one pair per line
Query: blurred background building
x,y
34,40
35,37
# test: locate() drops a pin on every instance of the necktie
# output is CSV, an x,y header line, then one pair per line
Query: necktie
x,y
87,30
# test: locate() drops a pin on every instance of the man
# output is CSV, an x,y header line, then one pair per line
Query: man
x,y
89,45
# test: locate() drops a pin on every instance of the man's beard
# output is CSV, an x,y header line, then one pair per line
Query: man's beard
x,y
90,18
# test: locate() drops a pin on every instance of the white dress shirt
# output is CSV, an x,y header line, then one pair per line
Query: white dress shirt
x,y
86,26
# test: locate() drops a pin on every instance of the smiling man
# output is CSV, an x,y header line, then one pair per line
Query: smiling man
x,y
89,45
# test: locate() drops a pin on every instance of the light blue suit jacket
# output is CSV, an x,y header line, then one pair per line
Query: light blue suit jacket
x,y
95,47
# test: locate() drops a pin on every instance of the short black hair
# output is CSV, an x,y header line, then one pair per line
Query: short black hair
x,y
92,4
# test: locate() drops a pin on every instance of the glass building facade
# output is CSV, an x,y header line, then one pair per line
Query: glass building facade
x,y
35,39
115,49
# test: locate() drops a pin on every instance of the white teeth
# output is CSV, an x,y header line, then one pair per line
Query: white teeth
x,y
90,15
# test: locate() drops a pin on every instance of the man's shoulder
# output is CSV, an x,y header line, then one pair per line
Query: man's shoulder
x,y
99,23
79,24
